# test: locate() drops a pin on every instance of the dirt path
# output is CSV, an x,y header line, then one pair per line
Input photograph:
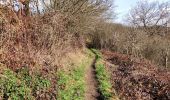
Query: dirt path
x,y
91,84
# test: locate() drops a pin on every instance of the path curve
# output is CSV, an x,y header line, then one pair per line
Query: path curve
x,y
91,83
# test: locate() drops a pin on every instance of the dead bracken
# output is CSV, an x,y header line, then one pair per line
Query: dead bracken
x,y
138,80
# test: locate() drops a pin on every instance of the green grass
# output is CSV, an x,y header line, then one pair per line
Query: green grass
x,y
103,77
105,86
71,85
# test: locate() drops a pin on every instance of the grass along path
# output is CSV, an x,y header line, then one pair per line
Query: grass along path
x,y
103,78
72,84
88,80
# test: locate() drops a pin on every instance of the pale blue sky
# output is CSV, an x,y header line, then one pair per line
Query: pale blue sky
x,y
123,7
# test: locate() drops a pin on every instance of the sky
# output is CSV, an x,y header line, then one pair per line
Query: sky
x,y
123,7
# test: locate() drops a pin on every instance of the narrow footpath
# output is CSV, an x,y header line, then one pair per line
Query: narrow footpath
x,y
91,83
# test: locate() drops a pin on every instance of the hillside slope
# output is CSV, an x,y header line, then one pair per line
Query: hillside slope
x,y
137,79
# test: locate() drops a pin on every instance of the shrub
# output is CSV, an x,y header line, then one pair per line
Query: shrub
x,y
13,88
35,82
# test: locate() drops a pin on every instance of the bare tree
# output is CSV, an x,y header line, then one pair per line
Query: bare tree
x,y
79,6
150,15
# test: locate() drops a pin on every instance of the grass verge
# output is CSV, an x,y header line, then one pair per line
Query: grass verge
x,y
103,77
71,84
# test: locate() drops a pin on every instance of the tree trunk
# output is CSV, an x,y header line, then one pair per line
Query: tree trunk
x,y
166,60
37,6
26,8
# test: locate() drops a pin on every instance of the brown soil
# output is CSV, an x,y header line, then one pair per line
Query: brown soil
x,y
91,84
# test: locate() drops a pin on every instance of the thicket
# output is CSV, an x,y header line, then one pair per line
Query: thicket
x,y
43,33
60,24
132,41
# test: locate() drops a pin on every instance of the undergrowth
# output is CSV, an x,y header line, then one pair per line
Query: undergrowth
x,y
21,85
36,82
11,88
